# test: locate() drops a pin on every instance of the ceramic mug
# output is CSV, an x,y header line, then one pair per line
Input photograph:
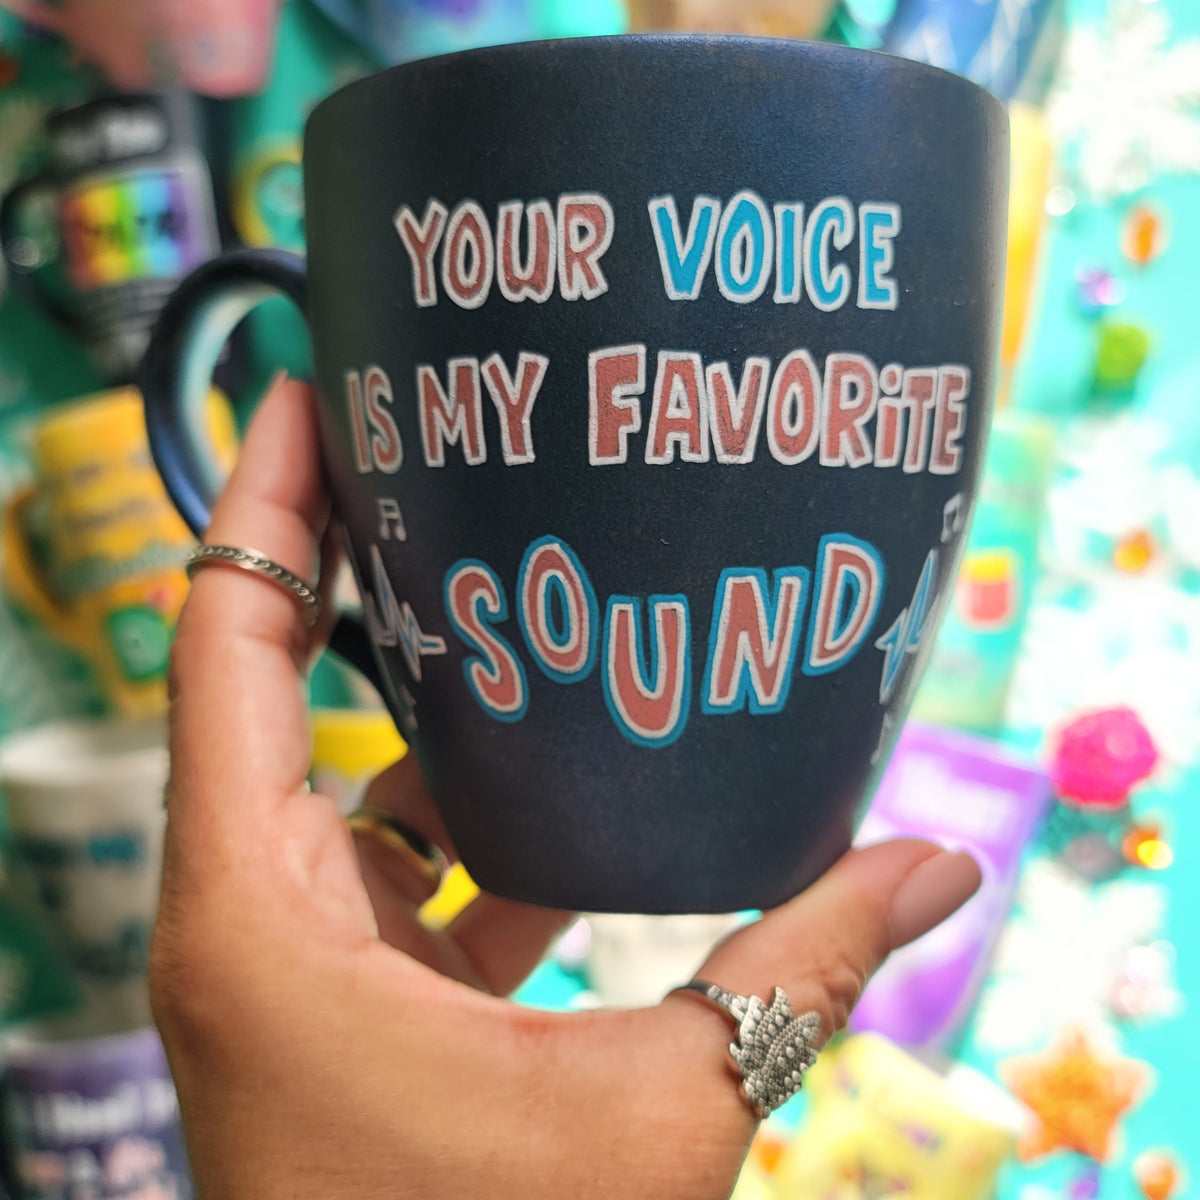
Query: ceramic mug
x,y
653,402
219,48
93,549
124,210
83,806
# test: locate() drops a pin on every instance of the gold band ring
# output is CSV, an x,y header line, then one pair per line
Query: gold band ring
x,y
414,847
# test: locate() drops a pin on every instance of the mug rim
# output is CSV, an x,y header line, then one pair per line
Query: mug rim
x,y
665,41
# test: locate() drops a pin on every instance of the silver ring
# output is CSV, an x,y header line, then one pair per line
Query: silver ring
x,y
774,1048
257,564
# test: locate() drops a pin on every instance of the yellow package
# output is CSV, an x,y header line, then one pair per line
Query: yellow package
x,y
351,747
109,580
883,1124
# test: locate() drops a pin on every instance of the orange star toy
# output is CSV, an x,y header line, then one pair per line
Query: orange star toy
x,y
1077,1094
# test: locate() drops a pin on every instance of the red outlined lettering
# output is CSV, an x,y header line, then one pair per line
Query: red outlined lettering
x,y
566,654
585,231
918,395
735,417
679,416
890,413
358,422
845,564
616,381
514,401
650,712
793,410
531,278
421,240
949,420
751,657
851,389
387,451
496,678
446,420
887,431
468,257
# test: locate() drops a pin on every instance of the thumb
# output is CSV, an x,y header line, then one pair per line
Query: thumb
x,y
822,947
641,1079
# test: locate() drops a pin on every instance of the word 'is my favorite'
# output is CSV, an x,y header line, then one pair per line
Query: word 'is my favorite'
x,y
692,411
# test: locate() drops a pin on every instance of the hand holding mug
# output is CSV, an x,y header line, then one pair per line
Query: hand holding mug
x,y
321,1037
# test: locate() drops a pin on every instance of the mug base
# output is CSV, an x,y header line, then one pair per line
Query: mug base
x,y
703,892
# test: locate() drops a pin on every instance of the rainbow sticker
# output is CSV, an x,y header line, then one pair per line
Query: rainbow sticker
x,y
151,223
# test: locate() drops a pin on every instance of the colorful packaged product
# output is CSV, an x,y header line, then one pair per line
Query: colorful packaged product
x,y
883,1124
94,551
967,681
967,794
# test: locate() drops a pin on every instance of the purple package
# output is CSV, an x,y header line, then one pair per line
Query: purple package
x,y
965,793
94,1120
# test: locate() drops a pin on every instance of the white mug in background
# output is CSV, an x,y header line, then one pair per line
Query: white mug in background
x,y
634,961
84,813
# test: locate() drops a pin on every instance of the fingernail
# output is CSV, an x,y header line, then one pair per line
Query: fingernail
x,y
938,887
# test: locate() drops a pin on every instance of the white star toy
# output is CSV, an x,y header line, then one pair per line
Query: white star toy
x,y
1127,103
1060,957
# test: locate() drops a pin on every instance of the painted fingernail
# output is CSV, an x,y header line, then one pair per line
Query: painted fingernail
x,y
938,887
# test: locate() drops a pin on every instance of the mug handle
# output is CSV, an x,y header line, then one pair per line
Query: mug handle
x,y
25,274
176,378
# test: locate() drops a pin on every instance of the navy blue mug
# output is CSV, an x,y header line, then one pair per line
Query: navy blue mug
x,y
655,376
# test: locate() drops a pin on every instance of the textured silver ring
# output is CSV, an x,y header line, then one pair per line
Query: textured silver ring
x,y
774,1048
257,564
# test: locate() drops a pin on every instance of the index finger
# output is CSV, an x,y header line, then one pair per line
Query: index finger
x,y
239,725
